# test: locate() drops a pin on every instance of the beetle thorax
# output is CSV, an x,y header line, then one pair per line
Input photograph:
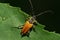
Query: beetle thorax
x,y
31,20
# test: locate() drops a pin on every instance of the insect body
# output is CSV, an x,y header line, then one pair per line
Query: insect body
x,y
28,26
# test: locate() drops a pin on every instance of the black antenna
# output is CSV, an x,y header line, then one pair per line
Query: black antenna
x,y
31,7
44,13
39,13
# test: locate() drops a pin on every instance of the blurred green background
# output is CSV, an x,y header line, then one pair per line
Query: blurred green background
x,y
52,21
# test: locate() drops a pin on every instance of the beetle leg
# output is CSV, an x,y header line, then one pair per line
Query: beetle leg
x,y
35,22
33,28
28,34
27,18
19,27
22,35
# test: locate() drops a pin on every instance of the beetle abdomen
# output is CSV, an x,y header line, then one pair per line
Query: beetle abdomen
x,y
26,27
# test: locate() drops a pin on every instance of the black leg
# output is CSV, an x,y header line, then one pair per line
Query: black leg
x,y
23,35
35,23
27,18
33,28
19,27
28,34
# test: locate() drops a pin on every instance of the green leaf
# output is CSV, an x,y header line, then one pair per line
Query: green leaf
x,y
13,17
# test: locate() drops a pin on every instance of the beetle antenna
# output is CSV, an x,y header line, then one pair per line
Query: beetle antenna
x,y
31,7
44,13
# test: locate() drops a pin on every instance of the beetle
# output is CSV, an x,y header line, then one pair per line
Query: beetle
x,y
29,24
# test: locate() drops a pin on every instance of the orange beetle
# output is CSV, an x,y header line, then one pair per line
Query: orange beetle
x,y
28,26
